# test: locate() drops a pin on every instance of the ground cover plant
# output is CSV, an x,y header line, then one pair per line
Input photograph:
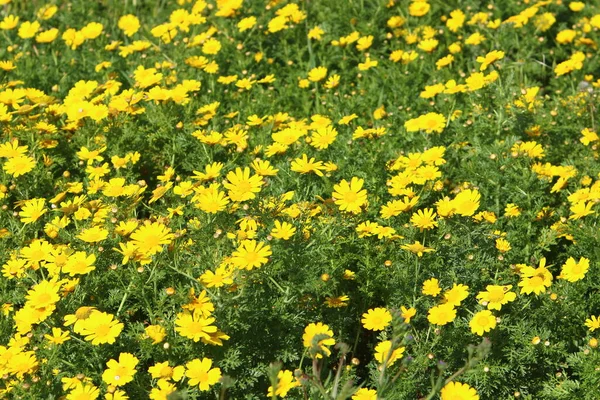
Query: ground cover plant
x,y
324,199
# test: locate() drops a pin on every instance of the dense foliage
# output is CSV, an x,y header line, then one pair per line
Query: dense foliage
x,y
324,199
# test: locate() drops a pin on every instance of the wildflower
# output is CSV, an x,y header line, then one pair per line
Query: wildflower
x,y
349,196
283,230
32,210
93,235
496,296
424,219
376,319
535,280
417,248
383,352
43,295
419,8
368,64
431,287
241,185
442,314
119,373
316,33
503,245
251,254
466,202
457,390
581,209
365,394
593,323
317,74
325,338
337,302
482,322
79,263
573,271
150,238
194,326
28,29
323,137
156,332
285,382
129,24
83,391
18,166
456,295
264,168
304,166
246,23
212,46
101,327
219,278
199,372
489,59
512,210
14,268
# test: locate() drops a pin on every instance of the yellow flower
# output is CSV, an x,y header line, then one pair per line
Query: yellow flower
x,y
430,122
43,295
442,314
496,296
431,287
483,321
535,280
417,248
573,271
316,33
365,394
246,23
283,230
458,391
156,332
489,59
317,74
424,219
83,391
323,137
593,323
100,327
93,235
199,372
456,295
119,373
576,6
419,8
285,382
376,319
150,238
58,336
47,36
9,22
18,166
325,339
28,29
304,165
466,202
383,352
428,45
79,263
32,210
349,196
241,185
251,254
129,24
194,326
